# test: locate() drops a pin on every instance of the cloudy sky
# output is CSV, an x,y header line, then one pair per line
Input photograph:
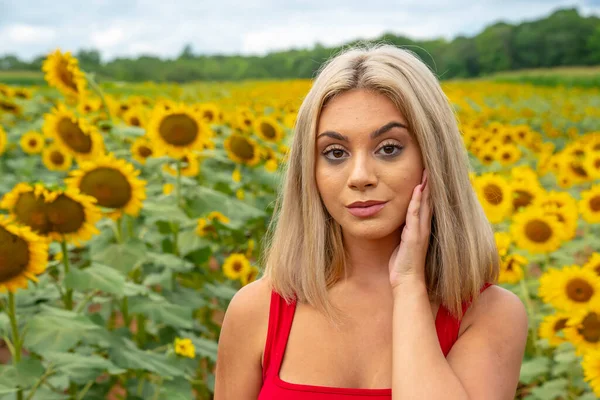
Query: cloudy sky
x,y
124,28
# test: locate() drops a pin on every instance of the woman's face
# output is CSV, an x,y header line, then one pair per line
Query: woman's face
x,y
365,152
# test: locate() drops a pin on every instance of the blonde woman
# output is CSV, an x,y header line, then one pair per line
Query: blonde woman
x,y
380,265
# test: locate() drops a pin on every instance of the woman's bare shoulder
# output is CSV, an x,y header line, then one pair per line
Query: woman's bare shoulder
x,y
250,305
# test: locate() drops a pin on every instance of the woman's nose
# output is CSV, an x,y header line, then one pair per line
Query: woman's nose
x,y
362,173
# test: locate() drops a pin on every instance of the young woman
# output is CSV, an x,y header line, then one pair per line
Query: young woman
x,y
380,264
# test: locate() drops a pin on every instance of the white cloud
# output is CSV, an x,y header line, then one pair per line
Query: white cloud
x,y
21,34
107,38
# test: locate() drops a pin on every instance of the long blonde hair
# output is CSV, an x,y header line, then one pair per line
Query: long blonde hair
x,y
303,249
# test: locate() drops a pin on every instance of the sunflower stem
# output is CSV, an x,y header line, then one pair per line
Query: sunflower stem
x,y
12,314
68,298
178,184
125,311
141,330
92,82
530,312
117,230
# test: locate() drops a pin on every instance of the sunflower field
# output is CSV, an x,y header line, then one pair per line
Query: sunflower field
x,y
130,214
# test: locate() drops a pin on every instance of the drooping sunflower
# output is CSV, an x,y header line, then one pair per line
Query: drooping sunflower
x,y
205,229
570,288
495,195
511,268
56,159
10,107
593,263
23,255
62,72
27,205
216,215
589,205
591,370
250,276
583,330
242,149
113,182
32,142
268,129
72,215
74,135
23,93
177,131
534,230
2,140
141,149
190,166
235,266
551,328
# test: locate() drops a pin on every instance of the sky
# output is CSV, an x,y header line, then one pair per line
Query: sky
x,y
121,28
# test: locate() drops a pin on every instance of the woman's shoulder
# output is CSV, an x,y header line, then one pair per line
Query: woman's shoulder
x,y
251,303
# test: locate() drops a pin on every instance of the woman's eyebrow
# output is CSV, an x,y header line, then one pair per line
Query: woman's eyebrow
x,y
374,134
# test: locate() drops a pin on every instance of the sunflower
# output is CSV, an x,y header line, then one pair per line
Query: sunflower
x,y
113,182
591,164
591,370
27,205
10,107
503,241
62,72
216,215
209,112
71,215
23,255
243,119
289,120
250,276
560,199
89,105
185,347
240,194
524,174
242,149
205,229
583,330
72,134
570,288
32,142
524,193
508,154
567,218
511,268
177,131
495,196
23,93
551,328
136,116
236,175
536,231
271,165
168,188
2,140
236,265
593,263
589,205
268,129
190,166
141,149
55,159
250,248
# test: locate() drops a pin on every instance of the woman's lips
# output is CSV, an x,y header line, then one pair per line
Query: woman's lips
x,y
366,211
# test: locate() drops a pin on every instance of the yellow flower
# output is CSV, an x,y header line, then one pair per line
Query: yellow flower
x,y
242,149
591,370
141,149
23,255
62,72
271,165
113,182
235,266
205,229
2,140
593,263
209,112
503,241
534,230
250,248
55,159
136,116
511,268
508,154
525,193
268,129
250,276
589,205
570,288
177,131
583,330
185,347
240,194
495,196
32,142
73,135
216,215
168,188
190,166
236,176
552,326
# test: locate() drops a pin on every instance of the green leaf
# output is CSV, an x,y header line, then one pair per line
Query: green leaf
x,y
97,276
222,291
551,389
123,257
82,368
165,210
170,261
533,369
162,311
189,241
130,357
205,347
176,389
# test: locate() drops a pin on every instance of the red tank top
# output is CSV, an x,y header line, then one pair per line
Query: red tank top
x,y
280,323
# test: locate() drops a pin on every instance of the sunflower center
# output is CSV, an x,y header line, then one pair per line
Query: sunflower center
x,y
65,214
595,203
73,136
509,265
14,255
144,151
57,158
237,266
242,148
591,328
579,290
135,121
6,106
268,130
178,129
108,186
488,158
560,324
597,269
493,194
208,115
538,231
66,76
597,163
506,156
31,211
578,170
522,199
32,142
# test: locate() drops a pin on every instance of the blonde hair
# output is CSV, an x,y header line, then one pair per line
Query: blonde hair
x,y
304,252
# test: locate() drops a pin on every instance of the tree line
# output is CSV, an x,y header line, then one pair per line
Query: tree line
x,y
564,38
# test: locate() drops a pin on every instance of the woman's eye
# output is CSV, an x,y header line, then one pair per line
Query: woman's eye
x,y
337,153
388,149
